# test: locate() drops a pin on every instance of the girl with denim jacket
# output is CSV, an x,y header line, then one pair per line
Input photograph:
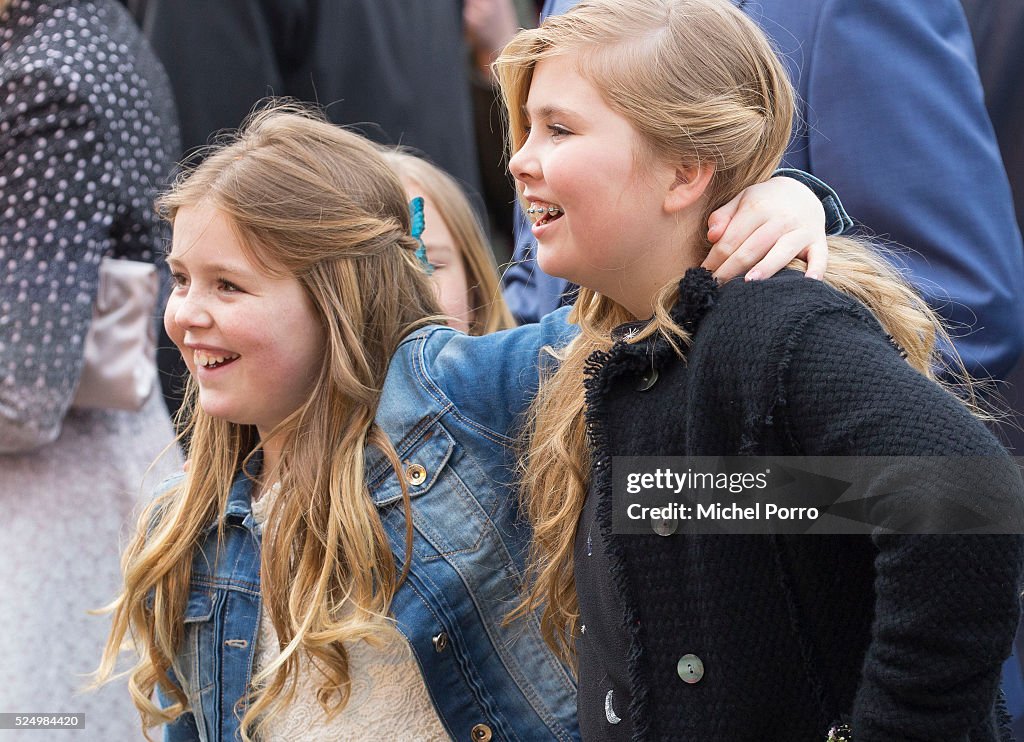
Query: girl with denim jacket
x,y
350,495
628,127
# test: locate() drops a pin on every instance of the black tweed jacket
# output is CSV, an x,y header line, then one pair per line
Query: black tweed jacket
x,y
900,636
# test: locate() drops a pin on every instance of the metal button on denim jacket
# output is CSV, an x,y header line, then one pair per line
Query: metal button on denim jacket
x,y
451,404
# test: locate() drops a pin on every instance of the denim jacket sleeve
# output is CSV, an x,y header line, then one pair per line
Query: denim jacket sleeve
x,y
837,221
450,406
492,379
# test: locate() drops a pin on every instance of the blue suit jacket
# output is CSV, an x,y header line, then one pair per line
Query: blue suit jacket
x,y
894,120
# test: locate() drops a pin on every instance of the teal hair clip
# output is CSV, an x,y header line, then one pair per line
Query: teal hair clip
x,y
416,212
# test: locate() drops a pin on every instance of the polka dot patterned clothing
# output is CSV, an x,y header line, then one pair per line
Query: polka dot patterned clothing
x,y
87,138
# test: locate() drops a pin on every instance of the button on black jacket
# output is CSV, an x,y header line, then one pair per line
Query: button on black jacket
x,y
901,635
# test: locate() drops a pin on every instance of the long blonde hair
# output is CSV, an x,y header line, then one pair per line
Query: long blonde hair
x,y
309,200
490,313
700,83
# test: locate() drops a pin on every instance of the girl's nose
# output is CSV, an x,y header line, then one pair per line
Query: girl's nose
x,y
188,311
524,165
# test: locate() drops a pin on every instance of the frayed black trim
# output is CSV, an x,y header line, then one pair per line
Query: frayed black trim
x,y
601,368
698,291
595,385
1004,722
902,351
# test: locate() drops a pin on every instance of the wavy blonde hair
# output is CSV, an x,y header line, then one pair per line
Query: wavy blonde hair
x,y
700,83
490,313
313,201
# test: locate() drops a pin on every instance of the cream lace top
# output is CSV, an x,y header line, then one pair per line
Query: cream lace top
x,y
389,699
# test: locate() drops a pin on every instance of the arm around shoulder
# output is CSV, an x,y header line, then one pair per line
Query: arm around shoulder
x,y
492,379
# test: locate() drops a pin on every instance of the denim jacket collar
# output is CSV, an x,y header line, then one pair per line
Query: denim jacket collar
x,y
238,508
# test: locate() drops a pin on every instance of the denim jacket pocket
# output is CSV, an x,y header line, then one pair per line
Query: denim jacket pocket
x,y
424,453
447,509
200,605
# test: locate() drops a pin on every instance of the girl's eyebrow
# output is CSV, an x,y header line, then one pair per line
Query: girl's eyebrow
x,y
548,111
442,248
214,267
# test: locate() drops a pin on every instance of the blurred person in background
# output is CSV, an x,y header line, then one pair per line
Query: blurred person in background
x,y
87,137
462,264
997,27
393,70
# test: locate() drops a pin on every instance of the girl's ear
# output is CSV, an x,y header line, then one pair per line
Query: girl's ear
x,y
689,185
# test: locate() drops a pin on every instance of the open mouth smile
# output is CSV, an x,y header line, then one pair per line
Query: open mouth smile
x,y
209,361
542,214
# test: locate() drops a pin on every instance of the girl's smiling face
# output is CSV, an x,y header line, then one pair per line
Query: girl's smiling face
x,y
252,341
600,219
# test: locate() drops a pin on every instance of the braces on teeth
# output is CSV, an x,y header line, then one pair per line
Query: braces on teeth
x,y
550,210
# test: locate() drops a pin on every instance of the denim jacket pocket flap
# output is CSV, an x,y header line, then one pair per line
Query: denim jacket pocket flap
x,y
200,606
423,455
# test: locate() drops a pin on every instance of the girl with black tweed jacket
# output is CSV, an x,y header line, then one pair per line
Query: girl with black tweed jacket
x,y
630,122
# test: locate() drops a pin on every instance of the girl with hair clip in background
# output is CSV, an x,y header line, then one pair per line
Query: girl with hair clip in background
x,y
631,120
338,511
462,264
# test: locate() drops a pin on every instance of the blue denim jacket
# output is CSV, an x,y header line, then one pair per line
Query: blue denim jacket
x,y
451,406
